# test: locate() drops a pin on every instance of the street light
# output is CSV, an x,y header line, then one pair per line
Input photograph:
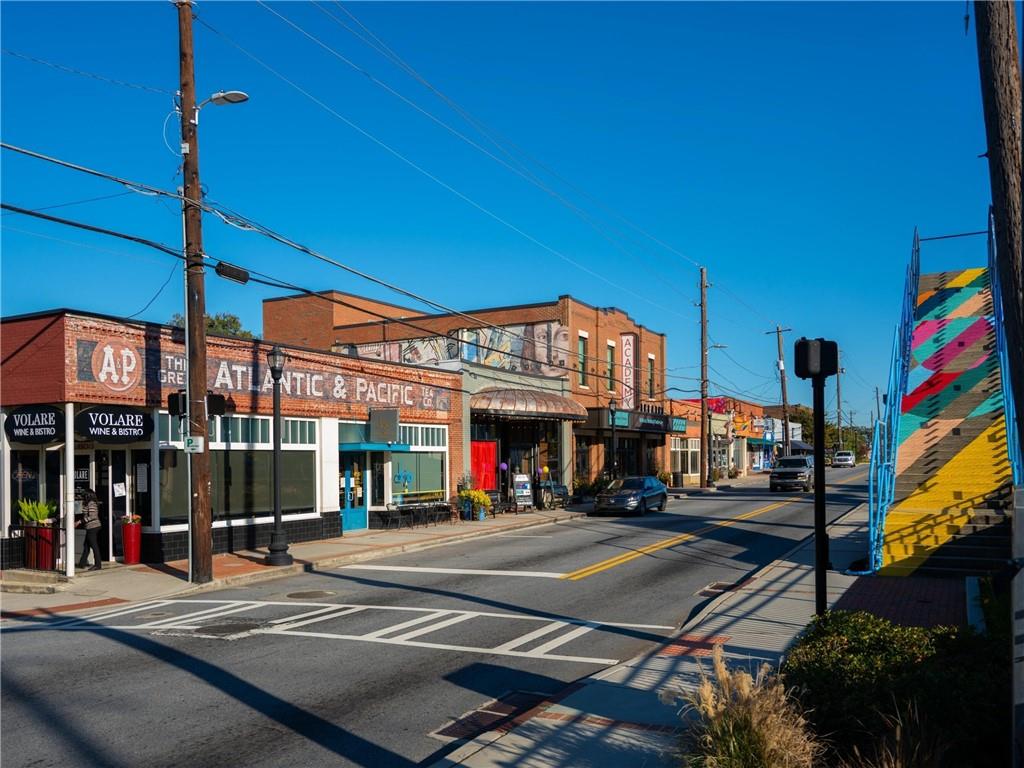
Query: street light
x,y
278,541
220,98
615,440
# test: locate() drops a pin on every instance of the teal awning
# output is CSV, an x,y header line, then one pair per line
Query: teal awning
x,y
759,441
393,447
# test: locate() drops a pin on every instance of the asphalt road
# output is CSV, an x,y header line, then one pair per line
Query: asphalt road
x,y
376,665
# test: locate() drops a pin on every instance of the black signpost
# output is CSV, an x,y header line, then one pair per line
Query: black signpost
x,y
817,359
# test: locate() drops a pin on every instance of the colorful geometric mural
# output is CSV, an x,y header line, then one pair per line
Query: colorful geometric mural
x,y
952,469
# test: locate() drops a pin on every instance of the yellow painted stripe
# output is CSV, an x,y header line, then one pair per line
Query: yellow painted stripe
x,y
612,562
965,277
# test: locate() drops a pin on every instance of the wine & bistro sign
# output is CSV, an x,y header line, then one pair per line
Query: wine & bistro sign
x,y
35,424
113,424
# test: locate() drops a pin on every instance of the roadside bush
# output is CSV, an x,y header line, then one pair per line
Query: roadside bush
x,y
740,721
858,675
908,741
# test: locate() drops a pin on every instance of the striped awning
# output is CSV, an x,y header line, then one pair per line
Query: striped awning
x,y
526,404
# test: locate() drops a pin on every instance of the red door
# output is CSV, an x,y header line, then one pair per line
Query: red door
x,y
483,462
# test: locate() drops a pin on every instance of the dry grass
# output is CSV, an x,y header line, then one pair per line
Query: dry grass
x,y
908,742
742,721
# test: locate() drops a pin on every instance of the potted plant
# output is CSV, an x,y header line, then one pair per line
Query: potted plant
x,y
37,520
131,529
475,504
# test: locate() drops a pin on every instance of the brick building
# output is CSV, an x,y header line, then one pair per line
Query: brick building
x,y
81,370
613,367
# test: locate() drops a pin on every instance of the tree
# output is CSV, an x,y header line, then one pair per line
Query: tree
x,y
223,323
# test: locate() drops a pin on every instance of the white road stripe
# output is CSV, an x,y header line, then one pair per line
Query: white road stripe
x,y
434,627
209,613
320,617
443,647
459,571
122,611
542,650
526,536
290,619
547,629
404,624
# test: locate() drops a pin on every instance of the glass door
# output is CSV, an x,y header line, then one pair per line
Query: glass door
x,y
352,488
377,489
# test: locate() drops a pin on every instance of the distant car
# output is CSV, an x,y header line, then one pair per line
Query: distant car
x,y
792,472
632,494
553,494
844,459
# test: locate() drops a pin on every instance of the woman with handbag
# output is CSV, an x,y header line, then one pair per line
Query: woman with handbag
x,y
91,523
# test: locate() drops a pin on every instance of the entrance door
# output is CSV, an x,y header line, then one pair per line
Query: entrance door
x,y
483,463
377,489
112,487
352,487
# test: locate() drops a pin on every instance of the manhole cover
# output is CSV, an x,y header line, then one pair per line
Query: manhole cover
x,y
312,594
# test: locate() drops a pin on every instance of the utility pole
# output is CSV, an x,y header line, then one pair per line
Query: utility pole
x,y
998,65
201,520
878,406
705,432
839,409
785,399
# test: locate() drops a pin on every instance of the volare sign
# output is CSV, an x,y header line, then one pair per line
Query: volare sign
x,y
113,424
35,424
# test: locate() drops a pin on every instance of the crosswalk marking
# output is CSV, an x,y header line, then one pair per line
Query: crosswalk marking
x,y
404,624
542,650
179,622
434,627
547,629
322,616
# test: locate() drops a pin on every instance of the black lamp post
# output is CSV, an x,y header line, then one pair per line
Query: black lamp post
x,y
278,541
615,441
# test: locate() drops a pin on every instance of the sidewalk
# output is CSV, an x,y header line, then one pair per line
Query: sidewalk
x,y
617,717
752,480
118,583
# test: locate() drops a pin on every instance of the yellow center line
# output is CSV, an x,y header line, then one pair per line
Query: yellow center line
x,y
612,562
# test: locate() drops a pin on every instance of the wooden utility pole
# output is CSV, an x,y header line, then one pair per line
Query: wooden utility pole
x,y
201,530
705,432
999,67
878,406
786,447
839,409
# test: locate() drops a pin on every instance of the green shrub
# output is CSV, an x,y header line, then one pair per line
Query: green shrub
x,y
856,672
742,721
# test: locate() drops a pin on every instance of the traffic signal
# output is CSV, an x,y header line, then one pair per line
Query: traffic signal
x,y
816,358
177,403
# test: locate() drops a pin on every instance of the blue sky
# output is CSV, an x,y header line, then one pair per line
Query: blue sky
x,y
791,148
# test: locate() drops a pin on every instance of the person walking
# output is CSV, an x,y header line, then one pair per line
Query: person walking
x,y
91,523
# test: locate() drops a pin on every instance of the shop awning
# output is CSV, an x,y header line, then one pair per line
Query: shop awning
x,y
526,404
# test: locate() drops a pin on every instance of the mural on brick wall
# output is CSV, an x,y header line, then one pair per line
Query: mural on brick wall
x,y
541,348
121,367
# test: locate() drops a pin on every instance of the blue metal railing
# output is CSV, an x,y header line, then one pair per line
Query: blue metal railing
x,y
885,439
1012,444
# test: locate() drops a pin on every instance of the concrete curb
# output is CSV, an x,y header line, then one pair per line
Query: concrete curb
x,y
488,738
359,557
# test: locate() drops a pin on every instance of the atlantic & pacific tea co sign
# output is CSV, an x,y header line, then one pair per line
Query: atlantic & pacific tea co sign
x,y
35,424
122,367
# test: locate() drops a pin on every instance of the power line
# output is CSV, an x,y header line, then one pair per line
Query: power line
x,y
156,295
437,180
76,202
92,75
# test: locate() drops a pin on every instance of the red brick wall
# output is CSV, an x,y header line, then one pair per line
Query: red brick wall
x,y
32,361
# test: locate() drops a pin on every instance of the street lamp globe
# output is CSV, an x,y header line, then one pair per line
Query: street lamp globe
x,y
275,359
612,405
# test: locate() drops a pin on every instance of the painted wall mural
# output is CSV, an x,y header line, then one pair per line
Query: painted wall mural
x,y
541,348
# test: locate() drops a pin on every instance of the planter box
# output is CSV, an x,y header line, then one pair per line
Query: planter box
x,y
131,534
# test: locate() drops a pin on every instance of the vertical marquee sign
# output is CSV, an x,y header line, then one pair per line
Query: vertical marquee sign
x,y
628,367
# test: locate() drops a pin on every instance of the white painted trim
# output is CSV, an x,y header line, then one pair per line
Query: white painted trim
x,y
611,344
5,468
243,521
583,334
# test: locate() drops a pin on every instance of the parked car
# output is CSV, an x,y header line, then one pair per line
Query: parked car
x,y
632,494
792,472
553,494
844,459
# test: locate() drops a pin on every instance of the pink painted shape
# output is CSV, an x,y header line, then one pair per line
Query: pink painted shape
x,y
925,330
974,332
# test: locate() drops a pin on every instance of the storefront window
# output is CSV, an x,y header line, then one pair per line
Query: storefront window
x,y
417,477
353,433
174,490
610,365
53,472
242,483
581,351
24,479
583,459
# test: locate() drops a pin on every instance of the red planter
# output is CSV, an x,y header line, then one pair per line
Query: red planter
x,y
132,540
40,552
